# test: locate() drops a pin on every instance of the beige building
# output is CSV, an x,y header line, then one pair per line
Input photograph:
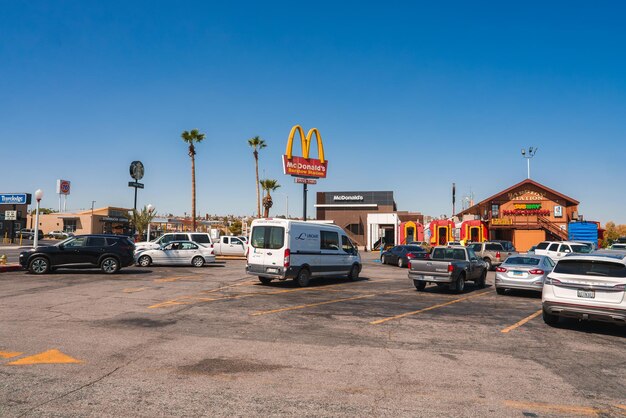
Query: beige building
x,y
108,220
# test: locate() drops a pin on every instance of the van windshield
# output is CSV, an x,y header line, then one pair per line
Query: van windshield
x,y
269,237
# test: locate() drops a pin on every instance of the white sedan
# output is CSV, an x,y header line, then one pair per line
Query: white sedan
x,y
176,252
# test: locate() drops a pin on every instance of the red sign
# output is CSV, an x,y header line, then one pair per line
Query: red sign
x,y
305,167
302,180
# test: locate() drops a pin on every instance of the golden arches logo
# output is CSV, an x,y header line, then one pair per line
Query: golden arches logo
x,y
306,142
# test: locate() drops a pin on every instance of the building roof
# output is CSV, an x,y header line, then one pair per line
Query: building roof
x,y
570,201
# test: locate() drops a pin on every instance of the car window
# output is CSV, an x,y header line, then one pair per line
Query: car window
x,y
268,237
165,239
188,246
494,247
329,240
346,245
590,268
236,241
448,254
542,245
471,254
549,262
564,248
476,247
76,242
582,248
96,242
201,238
180,237
523,261
167,247
553,247
415,248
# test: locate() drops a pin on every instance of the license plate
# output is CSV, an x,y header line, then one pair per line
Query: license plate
x,y
428,277
517,273
587,294
272,270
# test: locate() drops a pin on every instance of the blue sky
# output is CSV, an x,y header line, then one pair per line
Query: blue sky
x,y
408,97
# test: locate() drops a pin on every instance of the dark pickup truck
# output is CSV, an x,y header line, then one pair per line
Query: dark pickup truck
x,y
449,266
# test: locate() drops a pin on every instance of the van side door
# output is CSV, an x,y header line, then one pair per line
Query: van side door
x,y
331,257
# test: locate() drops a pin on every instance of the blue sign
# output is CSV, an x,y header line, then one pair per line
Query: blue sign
x,y
13,199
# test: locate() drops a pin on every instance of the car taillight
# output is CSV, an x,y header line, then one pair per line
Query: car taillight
x,y
287,258
426,256
500,269
450,268
620,286
498,255
410,255
536,271
550,280
409,264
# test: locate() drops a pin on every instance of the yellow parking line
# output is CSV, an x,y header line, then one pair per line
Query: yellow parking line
x,y
309,305
522,322
134,289
441,305
560,409
174,279
189,299
9,354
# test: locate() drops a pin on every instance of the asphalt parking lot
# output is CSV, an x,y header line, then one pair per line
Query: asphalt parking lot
x,y
183,341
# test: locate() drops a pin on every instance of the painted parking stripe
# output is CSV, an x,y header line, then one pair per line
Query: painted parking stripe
x,y
9,354
554,408
327,302
522,322
47,357
190,299
430,308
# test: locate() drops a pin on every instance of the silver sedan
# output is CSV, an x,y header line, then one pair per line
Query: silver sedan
x,y
176,252
523,272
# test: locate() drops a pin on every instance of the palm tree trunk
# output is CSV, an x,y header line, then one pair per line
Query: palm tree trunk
x,y
258,193
268,205
193,194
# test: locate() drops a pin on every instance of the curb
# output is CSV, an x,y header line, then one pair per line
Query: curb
x,y
10,267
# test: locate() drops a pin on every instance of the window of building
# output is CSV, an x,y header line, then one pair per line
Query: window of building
x,y
69,225
495,210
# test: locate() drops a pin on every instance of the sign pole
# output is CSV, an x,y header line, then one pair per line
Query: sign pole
x,y
304,189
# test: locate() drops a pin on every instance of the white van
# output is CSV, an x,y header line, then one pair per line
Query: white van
x,y
283,249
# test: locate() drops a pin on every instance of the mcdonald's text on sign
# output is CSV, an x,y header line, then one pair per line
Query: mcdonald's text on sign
x,y
304,166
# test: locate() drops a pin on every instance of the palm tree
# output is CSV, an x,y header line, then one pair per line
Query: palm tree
x,y
194,136
257,143
140,220
269,186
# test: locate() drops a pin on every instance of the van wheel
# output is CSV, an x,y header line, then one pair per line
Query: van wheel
x,y
354,273
303,278
550,319
265,280
419,285
110,265
39,265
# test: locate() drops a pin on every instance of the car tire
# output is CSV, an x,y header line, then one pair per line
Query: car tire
x,y
419,285
265,280
489,265
400,263
144,261
109,265
550,319
383,260
197,261
39,265
500,290
354,273
482,281
303,278
459,285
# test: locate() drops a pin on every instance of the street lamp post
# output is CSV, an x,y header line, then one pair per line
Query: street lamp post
x,y
38,197
150,208
528,155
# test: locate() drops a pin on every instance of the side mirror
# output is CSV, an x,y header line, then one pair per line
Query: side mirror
x,y
61,246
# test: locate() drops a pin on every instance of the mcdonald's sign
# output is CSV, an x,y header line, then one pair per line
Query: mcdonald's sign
x,y
304,166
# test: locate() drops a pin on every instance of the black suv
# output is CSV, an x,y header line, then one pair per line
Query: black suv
x,y
109,252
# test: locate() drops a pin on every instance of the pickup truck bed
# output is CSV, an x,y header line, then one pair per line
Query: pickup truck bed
x,y
450,267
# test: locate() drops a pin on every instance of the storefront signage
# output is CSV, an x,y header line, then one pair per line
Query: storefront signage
x,y
10,215
304,180
527,206
304,166
113,219
502,221
558,211
63,187
526,212
349,198
527,195
14,199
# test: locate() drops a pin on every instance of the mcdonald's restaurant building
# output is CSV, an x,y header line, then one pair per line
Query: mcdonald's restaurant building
x,y
366,216
526,214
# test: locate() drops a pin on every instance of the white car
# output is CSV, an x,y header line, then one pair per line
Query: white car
x,y
588,287
58,234
176,252
197,237
556,250
617,246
